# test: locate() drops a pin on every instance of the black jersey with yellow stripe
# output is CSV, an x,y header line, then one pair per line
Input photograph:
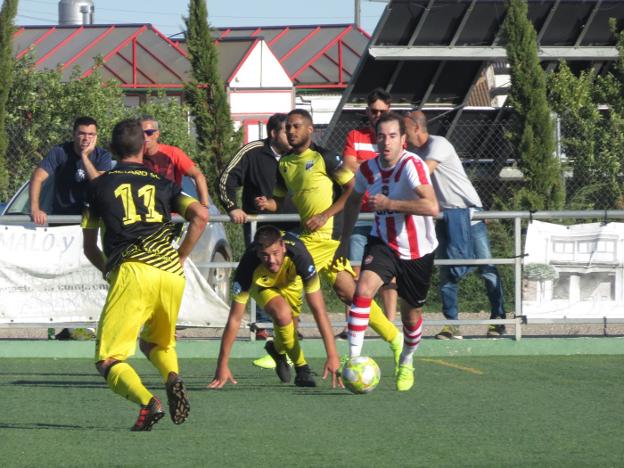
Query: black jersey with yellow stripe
x,y
134,206
311,178
297,262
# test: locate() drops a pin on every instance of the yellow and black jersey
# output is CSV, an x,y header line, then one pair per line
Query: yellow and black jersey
x,y
134,205
252,273
310,179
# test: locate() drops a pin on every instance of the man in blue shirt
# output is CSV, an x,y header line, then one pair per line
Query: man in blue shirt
x,y
72,164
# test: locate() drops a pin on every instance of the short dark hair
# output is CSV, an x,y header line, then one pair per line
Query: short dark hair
x,y
275,122
127,138
390,117
266,236
303,113
84,120
379,94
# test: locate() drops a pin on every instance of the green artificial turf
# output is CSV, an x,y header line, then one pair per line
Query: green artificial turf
x,y
468,411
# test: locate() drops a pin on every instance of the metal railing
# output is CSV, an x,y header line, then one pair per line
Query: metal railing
x,y
516,260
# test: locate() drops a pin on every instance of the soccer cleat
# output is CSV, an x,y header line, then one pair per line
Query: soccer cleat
x,y
405,378
495,331
449,332
304,377
282,369
149,415
396,346
179,406
265,362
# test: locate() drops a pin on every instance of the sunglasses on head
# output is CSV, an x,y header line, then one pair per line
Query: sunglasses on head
x,y
150,132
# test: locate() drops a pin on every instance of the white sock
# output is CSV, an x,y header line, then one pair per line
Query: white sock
x,y
411,341
357,324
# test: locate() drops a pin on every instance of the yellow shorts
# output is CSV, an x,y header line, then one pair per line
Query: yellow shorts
x,y
323,250
139,296
291,293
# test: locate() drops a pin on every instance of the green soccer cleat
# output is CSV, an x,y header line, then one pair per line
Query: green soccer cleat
x,y
396,346
405,378
265,362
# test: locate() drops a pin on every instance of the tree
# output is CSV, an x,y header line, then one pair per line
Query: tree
x,y
7,15
206,95
533,138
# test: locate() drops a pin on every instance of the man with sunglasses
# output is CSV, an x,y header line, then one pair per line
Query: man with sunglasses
x,y
170,161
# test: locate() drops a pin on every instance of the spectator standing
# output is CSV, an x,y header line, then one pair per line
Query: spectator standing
x,y
458,234
170,161
72,164
402,242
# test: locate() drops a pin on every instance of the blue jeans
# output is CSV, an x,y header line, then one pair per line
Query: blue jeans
x,y
489,273
357,242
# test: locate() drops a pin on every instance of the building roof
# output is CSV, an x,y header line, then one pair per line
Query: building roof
x,y
432,53
320,56
137,55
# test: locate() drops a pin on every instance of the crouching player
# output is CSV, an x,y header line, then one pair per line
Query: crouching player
x,y
401,243
272,270
144,271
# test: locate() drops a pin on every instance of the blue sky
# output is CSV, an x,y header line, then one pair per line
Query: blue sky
x,y
166,15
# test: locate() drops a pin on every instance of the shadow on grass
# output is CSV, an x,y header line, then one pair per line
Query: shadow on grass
x,y
47,426
58,383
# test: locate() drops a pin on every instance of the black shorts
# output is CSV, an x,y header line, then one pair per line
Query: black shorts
x,y
413,277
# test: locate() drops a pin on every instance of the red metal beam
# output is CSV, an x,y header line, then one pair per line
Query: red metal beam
x,y
337,39
18,32
169,41
340,78
297,46
132,64
279,36
151,86
322,86
257,31
123,44
60,45
31,46
322,75
134,60
149,52
113,72
87,48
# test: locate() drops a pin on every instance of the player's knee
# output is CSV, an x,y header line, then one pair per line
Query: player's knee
x,y
146,348
104,366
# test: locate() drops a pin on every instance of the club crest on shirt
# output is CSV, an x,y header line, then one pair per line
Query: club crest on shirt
x,y
80,175
309,165
368,260
311,269
236,288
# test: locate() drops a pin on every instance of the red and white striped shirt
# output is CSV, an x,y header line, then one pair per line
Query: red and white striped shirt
x,y
410,236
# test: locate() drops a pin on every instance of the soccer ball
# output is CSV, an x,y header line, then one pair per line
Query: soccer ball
x,y
361,374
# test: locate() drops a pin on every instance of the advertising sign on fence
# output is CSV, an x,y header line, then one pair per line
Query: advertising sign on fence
x,y
574,271
46,279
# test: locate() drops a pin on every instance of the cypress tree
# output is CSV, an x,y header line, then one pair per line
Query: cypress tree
x,y
7,15
533,138
206,94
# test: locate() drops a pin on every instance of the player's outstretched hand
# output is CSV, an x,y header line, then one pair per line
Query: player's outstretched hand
x,y
221,378
332,366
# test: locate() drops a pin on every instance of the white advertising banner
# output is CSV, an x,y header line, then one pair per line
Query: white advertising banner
x,y
46,279
573,271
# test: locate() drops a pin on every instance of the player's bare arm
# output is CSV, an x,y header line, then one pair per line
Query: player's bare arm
x,y
351,212
197,216
425,205
319,311
223,374
91,249
319,220
36,181
200,183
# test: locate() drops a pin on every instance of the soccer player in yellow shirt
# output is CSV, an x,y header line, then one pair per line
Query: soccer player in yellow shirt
x,y
320,185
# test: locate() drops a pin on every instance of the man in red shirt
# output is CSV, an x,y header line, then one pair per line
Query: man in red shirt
x,y
170,161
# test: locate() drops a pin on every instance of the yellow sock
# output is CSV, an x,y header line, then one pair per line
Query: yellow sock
x,y
124,381
380,323
285,338
165,360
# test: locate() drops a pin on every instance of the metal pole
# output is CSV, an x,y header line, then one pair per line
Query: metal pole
x,y
357,20
518,273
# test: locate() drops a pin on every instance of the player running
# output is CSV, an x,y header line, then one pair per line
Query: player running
x,y
272,271
144,270
402,241
311,176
